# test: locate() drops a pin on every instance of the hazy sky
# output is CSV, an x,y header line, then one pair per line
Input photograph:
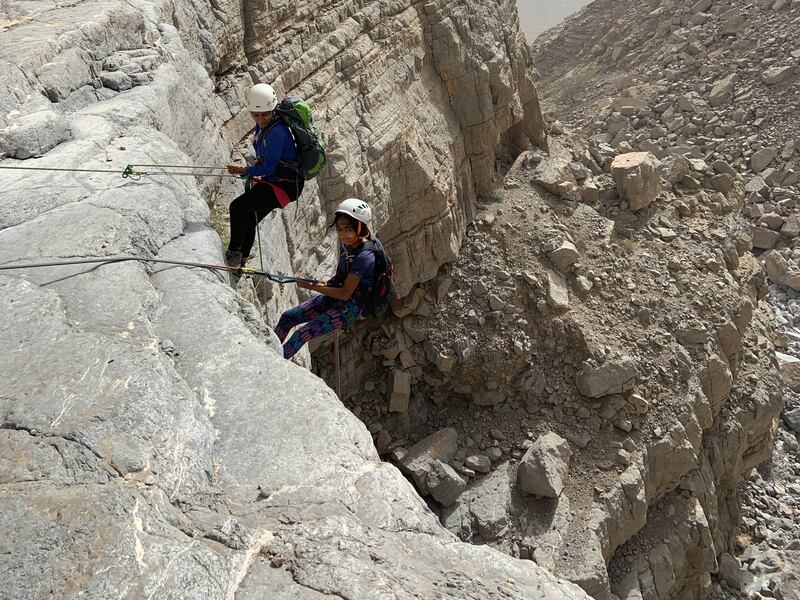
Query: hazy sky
x,y
537,15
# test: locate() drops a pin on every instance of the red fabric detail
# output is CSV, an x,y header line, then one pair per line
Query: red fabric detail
x,y
283,197
280,194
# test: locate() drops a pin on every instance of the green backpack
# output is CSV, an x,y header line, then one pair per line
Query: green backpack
x,y
296,114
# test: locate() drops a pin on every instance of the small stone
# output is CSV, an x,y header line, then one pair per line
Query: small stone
x,y
496,434
479,288
478,463
494,453
496,303
777,74
488,397
761,159
564,256
722,91
276,561
582,286
625,425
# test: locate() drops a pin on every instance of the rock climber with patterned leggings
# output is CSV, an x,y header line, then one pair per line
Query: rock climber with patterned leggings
x,y
339,302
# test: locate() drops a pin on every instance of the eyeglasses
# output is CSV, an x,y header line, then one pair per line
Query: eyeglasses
x,y
259,115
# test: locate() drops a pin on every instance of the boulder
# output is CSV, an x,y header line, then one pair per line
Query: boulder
x,y
34,134
478,463
772,221
722,91
483,510
553,171
628,106
557,293
614,376
702,6
761,159
564,256
764,238
444,484
780,272
544,466
730,571
777,74
792,420
440,446
730,340
590,192
415,327
674,168
636,175
488,398
116,80
790,371
401,392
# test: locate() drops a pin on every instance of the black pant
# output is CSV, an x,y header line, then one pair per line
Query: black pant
x,y
250,208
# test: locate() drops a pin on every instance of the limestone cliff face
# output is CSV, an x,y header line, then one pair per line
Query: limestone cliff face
x,y
418,100
153,442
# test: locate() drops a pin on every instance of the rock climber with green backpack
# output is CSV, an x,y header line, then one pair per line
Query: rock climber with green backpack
x,y
362,284
288,149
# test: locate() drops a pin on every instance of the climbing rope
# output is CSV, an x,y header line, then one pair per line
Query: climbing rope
x,y
336,361
276,277
132,171
106,171
210,168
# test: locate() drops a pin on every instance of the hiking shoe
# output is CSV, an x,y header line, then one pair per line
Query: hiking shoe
x,y
233,258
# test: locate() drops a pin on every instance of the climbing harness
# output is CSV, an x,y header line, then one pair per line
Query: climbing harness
x,y
276,277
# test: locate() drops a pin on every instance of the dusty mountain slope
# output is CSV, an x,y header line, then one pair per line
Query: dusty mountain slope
x,y
645,345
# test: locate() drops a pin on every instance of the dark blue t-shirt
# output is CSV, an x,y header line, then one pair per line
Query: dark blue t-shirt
x,y
362,264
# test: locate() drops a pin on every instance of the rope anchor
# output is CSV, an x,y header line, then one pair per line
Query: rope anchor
x,y
130,173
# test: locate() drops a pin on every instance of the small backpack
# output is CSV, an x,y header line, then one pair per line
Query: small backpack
x,y
375,299
296,114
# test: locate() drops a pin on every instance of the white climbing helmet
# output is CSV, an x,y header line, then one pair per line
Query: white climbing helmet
x,y
261,98
358,209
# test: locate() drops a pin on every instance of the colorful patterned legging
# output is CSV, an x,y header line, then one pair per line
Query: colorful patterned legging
x,y
321,315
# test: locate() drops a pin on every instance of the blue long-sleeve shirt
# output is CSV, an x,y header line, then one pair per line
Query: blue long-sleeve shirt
x,y
273,146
